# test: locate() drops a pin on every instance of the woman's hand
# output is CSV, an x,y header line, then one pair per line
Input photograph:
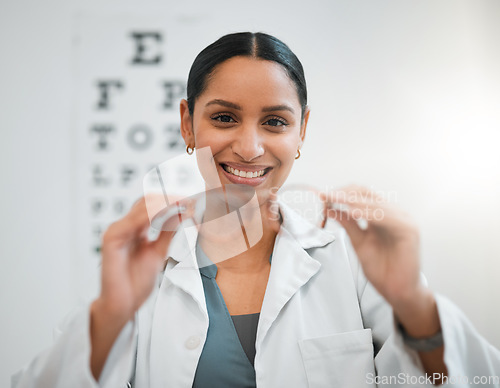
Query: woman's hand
x,y
130,266
130,262
388,244
388,248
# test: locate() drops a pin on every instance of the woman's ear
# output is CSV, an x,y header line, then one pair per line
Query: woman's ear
x,y
186,124
303,126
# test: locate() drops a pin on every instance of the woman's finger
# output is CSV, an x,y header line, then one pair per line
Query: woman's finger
x,y
350,224
133,225
162,243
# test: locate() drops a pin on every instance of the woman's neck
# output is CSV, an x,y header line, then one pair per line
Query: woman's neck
x,y
240,240
253,259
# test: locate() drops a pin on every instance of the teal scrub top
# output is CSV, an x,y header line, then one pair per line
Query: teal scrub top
x,y
229,351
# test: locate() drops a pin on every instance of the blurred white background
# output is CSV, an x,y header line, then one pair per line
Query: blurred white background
x,y
405,98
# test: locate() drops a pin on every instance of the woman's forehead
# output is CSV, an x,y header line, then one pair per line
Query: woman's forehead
x,y
250,80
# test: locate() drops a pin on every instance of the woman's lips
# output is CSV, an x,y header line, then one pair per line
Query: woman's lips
x,y
251,175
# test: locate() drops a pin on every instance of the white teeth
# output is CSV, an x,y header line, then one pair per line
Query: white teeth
x,y
244,174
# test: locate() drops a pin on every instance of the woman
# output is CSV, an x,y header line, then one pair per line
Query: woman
x,y
318,309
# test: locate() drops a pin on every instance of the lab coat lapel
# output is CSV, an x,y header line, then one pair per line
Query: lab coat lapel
x,y
292,267
183,273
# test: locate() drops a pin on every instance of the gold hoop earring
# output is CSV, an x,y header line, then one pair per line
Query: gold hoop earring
x,y
189,150
298,153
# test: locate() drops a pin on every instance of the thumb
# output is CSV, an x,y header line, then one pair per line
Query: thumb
x,y
162,243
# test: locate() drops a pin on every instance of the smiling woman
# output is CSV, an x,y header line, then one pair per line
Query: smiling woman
x,y
300,307
251,117
247,99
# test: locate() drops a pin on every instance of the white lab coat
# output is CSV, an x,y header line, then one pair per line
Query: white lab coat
x,y
321,325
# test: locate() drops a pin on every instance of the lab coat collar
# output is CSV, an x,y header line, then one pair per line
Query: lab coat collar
x,y
183,245
291,268
182,264
307,235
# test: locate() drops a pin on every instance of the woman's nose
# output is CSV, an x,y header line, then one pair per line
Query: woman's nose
x,y
248,143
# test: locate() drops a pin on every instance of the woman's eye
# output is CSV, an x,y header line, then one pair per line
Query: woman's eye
x,y
275,122
223,118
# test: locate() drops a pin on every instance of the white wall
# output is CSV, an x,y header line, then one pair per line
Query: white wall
x,y
404,96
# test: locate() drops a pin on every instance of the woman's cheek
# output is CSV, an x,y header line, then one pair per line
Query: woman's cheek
x,y
207,137
289,148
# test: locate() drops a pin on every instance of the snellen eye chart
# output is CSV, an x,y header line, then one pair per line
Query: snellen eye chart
x,y
128,82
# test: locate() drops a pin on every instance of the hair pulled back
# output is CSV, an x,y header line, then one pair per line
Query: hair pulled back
x,y
255,45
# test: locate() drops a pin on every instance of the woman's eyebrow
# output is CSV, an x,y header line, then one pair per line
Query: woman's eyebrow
x,y
277,107
225,103
232,105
